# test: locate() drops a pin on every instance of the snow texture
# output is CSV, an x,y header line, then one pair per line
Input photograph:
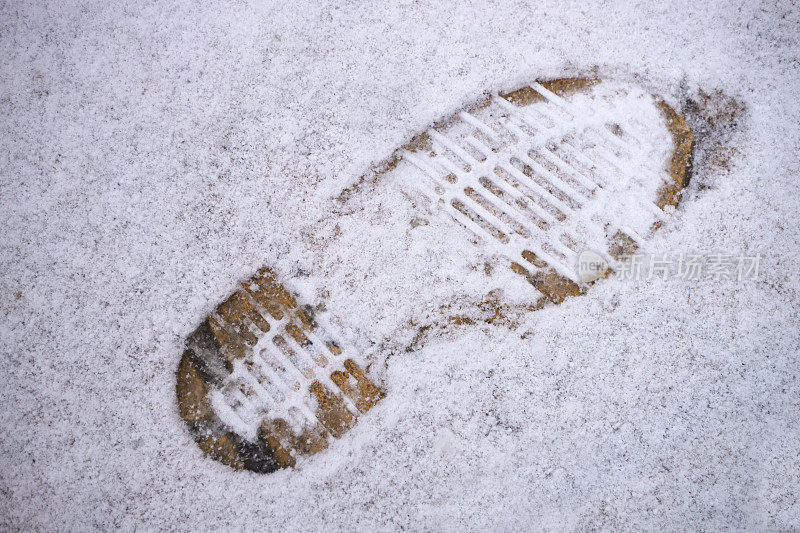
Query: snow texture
x,y
154,155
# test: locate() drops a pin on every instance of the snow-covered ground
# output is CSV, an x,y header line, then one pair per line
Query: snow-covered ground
x,y
152,156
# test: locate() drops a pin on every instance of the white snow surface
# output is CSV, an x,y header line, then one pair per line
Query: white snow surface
x,y
154,155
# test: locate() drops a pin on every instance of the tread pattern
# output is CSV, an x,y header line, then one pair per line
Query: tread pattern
x,y
262,381
532,175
